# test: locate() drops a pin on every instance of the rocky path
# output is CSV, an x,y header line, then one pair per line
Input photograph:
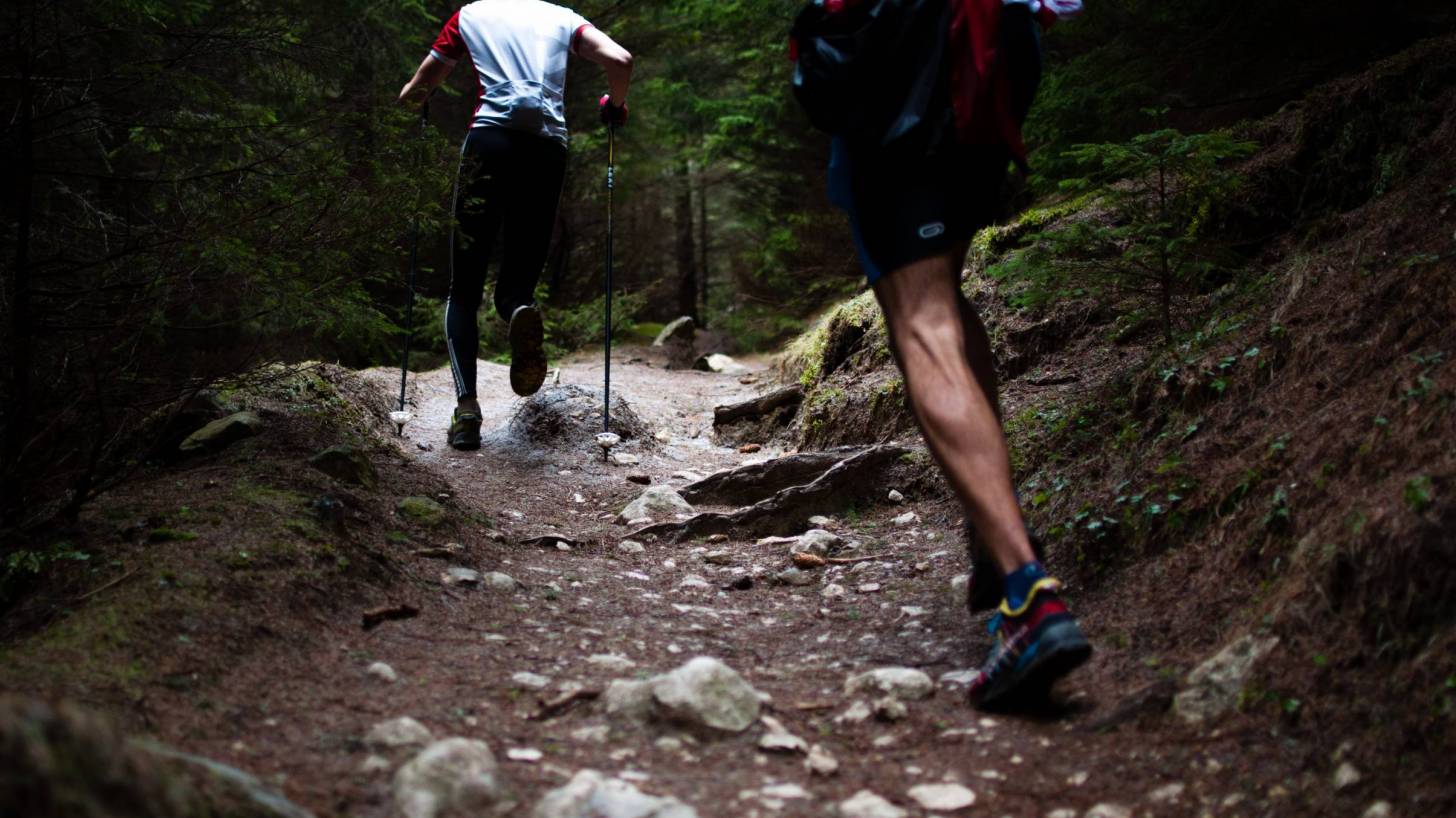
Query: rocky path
x,y
575,669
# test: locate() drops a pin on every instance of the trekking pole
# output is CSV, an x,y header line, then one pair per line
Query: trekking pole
x,y
402,415
607,372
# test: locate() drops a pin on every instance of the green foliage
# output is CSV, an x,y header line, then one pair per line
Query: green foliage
x,y
1152,230
1419,493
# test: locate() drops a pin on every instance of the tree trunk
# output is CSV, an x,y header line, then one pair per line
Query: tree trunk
x,y
687,257
703,250
17,408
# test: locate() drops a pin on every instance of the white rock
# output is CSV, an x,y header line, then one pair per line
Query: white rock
x,y
624,459
628,699
526,755
1215,686
591,795
704,692
663,501
1108,811
865,804
460,576
815,541
900,682
374,765
857,712
833,591
942,797
383,672
1167,794
1062,812
890,709
592,734
868,588
631,547
1346,776
695,582
530,681
788,792
896,497
613,662
1378,809
778,739
401,732
496,581
718,362
794,576
820,521
821,761
718,558
689,476
908,518
1077,779
457,776
960,591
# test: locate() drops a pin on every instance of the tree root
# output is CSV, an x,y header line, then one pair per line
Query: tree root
x,y
851,479
749,484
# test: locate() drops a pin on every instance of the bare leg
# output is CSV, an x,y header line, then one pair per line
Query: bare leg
x,y
951,382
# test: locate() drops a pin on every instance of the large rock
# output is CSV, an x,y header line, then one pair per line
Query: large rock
x,y
629,700
657,502
401,732
454,778
347,465
899,682
421,510
1215,686
589,794
816,541
679,331
220,434
706,693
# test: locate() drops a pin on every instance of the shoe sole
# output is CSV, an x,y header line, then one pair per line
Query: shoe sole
x,y
528,354
1061,650
465,443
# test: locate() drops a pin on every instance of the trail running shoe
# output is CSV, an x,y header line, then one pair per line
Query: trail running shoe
x,y
465,431
528,350
1036,645
987,585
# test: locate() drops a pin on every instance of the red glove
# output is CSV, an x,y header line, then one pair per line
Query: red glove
x,y
612,115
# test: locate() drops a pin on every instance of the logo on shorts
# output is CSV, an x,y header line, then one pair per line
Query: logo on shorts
x,y
932,230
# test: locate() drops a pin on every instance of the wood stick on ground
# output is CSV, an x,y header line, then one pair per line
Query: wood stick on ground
x,y
112,584
555,707
390,613
853,560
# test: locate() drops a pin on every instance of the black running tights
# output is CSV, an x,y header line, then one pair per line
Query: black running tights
x,y
508,186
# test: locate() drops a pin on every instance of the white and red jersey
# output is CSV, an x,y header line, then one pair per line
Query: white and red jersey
x,y
519,49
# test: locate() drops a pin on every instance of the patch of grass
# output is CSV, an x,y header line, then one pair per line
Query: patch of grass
x,y
1419,493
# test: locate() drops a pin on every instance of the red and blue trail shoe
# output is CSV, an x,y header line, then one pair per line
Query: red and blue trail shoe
x,y
1036,644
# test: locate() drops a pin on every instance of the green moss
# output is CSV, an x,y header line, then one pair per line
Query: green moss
x,y
421,510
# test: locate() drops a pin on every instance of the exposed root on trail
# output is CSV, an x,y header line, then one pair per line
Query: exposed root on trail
x,y
749,484
849,480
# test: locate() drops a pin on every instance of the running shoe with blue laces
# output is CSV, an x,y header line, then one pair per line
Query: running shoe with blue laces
x,y
1036,644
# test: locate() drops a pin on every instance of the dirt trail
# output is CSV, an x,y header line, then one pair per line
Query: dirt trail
x,y
299,724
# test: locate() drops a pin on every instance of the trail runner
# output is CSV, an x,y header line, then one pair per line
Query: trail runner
x,y
511,170
914,202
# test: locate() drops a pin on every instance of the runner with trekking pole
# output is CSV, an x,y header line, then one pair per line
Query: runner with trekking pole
x,y
925,100
512,166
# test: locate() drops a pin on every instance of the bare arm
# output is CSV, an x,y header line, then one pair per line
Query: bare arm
x,y
604,51
427,78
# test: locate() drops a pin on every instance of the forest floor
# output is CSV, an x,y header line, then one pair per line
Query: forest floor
x,y
296,711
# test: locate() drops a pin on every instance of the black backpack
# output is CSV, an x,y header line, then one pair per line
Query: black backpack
x,y
871,69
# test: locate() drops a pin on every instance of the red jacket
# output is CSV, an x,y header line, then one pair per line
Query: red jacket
x,y
980,86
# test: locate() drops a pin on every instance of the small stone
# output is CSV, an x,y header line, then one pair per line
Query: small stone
x,y
821,761
1108,811
373,765
858,712
718,558
704,692
220,434
631,547
788,792
421,510
668,744
750,448
693,582
865,804
896,497
1062,812
960,591
613,662
460,576
1167,794
833,591
593,734
624,459
400,732
900,682
908,518
942,797
778,739
959,678
383,672
589,794
525,755
1215,686
714,539
794,576
820,521
1378,809
890,709
496,581
1346,776
656,500
530,681
816,541
1077,779
868,588
457,776
628,699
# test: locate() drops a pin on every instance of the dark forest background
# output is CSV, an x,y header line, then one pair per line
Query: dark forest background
x,y
193,188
